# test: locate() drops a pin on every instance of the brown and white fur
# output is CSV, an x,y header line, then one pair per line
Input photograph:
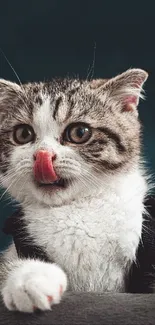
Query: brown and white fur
x,y
92,228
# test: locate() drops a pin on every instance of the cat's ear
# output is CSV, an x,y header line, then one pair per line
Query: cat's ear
x,y
126,88
8,87
9,92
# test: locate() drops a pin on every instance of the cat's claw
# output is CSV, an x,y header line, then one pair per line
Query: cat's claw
x,y
34,285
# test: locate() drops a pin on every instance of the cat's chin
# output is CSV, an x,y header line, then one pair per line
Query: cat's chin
x,y
59,185
55,194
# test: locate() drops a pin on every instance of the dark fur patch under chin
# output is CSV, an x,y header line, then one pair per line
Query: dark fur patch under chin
x,y
16,226
141,277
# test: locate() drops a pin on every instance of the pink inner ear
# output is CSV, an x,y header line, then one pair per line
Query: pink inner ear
x,y
130,103
131,100
138,83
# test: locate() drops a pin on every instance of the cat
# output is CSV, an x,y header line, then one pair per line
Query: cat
x,y
70,154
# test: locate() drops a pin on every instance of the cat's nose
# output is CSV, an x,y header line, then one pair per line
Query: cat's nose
x,y
43,166
44,154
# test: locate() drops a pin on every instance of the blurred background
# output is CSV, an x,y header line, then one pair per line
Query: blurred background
x,y
47,38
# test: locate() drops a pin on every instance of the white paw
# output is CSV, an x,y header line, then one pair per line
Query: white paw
x,y
34,285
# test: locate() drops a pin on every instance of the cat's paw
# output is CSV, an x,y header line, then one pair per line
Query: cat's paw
x,y
34,285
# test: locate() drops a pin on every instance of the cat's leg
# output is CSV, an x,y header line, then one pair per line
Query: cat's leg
x,y
28,284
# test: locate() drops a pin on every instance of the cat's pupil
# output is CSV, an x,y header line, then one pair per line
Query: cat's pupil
x,y
25,133
80,132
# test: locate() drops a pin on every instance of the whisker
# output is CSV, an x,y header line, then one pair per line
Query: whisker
x,y
14,71
13,172
13,182
91,69
13,178
11,66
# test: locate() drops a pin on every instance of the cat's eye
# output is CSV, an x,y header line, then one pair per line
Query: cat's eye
x,y
23,134
78,133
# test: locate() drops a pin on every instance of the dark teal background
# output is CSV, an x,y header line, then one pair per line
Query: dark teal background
x,y
48,38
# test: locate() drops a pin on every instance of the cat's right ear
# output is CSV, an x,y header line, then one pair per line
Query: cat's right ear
x,y
8,92
8,88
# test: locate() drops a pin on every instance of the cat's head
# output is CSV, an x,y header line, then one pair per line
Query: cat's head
x,y
60,140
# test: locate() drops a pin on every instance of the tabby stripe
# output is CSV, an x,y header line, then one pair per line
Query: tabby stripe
x,y
57,104
95,149
111,165
70,109
103,163
71,102
4,169
97,141
96,155
115,137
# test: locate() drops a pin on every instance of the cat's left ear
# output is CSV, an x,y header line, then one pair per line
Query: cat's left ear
x,y
126,88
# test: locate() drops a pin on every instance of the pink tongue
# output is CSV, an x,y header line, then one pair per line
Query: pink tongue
x,y
43,167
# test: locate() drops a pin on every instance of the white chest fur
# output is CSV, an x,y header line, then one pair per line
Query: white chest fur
x,y
93,239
